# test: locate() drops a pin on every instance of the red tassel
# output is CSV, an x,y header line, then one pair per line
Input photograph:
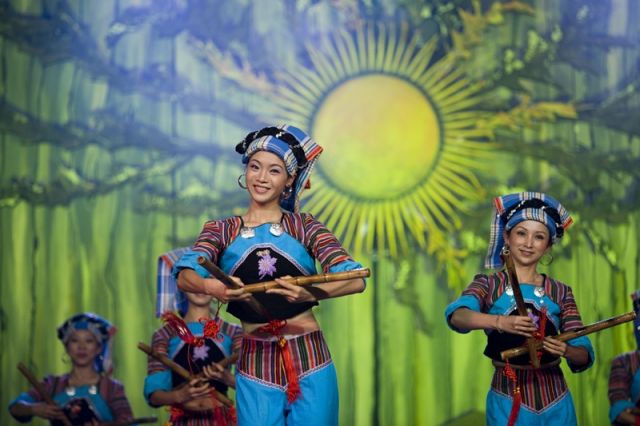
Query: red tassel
x,y
515,408
180,327
637,422
211,329
175,414
542,325
293,384
517,397
232,414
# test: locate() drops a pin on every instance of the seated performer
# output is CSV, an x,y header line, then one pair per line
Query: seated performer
x,y
624,379
86,395
285,372
526,226
197,342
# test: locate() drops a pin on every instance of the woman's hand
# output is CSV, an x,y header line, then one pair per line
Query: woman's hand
x,y
47,411
223,293
293,293
196,388
216,372
554,346
515,324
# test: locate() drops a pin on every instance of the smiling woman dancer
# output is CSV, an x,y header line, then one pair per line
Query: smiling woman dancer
x,y
526,226
85,394
285,371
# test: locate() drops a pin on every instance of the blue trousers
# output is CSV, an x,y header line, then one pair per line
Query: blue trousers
x,y
259,403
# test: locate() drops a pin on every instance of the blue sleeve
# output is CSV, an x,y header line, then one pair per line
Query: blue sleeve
x,y
617,408
345,266
466,301
585,343
189,260
26,398
160,381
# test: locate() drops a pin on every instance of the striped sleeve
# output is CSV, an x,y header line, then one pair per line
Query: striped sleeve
x,y
324,246
570,320
118,403
213,239
236,338
160,344
474,297
569,316
32,395
619,387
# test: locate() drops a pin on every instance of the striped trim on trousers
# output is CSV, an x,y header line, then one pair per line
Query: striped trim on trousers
x,y
262,359
539,388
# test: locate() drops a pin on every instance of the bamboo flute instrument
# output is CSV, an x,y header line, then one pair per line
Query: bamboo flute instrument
x,y
579,332
308,280
180,370
522,308
40,389
139,420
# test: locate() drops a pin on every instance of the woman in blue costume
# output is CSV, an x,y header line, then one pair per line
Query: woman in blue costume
x,y
86,395
624,379
526,225
285,372
198,342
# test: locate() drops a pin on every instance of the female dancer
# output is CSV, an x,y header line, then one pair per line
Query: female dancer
x,y
526,226
624,379
285,371
86,394
197,342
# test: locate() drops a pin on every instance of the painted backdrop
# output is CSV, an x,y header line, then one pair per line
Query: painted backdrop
x,y
117,126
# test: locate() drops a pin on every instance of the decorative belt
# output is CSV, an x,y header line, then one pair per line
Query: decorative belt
x,y
500,364
262,359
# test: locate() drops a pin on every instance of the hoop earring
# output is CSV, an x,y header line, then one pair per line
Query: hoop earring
x,y
548,260
505,250
240,184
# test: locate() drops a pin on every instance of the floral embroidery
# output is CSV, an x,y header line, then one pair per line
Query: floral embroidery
x,y
266,264
201,352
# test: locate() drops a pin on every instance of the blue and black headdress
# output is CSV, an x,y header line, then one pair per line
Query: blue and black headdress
x,y
296,149
515,208
100,328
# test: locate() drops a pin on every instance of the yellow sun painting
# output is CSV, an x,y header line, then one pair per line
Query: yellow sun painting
x,y
402,148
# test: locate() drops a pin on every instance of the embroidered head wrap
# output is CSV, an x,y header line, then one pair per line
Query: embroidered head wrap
x,y
296,149
515,208
100,328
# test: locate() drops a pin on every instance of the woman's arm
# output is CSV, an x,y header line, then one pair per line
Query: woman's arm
x,y
38,409
467,319
296,293
190,281
196,388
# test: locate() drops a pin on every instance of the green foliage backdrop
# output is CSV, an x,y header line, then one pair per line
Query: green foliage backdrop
x,y
117,123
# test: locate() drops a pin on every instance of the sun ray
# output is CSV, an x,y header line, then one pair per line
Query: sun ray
x,y
375,190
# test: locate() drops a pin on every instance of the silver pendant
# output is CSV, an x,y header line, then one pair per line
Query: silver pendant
x,y
539,291
276,229
70,390
93,390
508,290
247,232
